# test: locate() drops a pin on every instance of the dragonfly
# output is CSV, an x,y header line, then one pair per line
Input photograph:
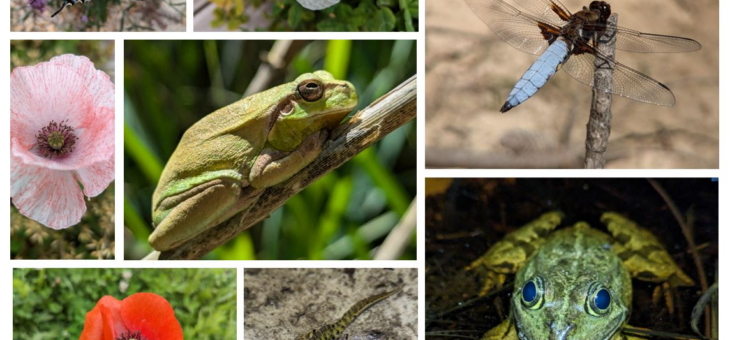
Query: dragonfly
x,y
569,42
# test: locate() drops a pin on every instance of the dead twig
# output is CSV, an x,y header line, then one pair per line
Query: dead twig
x,y
599,124
690,241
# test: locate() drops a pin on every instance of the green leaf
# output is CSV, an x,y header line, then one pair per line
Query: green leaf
x,y
384,20
295,16
332,25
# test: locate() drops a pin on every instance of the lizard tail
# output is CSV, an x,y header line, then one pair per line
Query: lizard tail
x,y
363,305
335,330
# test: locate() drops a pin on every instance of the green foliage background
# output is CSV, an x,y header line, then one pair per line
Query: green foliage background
x,y
346,16
169,85
52,303
93,237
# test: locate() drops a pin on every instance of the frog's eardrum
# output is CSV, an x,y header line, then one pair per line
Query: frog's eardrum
x,y
316,5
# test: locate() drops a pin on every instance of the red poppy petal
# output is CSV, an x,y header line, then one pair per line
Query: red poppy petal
x,y
152,315
93,326
111,311
103,322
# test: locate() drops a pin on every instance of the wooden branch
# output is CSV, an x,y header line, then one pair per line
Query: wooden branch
x,y
368,126
273,65
599,123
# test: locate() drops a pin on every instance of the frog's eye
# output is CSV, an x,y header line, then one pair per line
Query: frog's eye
x,y
533,293
310,90
598,300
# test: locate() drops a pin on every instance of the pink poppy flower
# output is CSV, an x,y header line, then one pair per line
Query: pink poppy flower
x,y
61,138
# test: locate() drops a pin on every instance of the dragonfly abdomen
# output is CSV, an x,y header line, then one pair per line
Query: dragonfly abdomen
x,y
538,74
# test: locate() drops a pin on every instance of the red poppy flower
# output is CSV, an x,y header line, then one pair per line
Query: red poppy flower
x,y
142,316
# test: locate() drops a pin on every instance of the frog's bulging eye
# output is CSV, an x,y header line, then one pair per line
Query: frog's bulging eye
x,y
532,293
310,90
598,300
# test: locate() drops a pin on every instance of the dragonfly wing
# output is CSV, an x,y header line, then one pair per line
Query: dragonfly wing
x,y
635,41
552,10
627,82
521,30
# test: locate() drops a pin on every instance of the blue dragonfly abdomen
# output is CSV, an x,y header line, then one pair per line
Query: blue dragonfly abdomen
x,y
538,74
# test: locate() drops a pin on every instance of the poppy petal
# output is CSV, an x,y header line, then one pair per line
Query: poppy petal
x,y
103,322
97,82
51,197
152,315
96,178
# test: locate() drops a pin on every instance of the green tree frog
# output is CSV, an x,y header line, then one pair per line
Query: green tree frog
x,y
226,160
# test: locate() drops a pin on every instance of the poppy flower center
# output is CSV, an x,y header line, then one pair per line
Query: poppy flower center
x,y
129,335
56,139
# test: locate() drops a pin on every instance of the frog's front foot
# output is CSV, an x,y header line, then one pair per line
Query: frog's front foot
x,y
275,166
492,279
503,331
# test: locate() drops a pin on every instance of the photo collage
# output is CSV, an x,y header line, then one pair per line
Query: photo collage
x,y
348,197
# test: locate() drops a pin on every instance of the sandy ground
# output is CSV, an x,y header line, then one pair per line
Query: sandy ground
x,y
153,15
470,72
280,304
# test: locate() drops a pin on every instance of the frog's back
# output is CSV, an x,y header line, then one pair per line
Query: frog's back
x,y
220,143
576,247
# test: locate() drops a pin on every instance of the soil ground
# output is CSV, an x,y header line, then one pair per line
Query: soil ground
x,y
280,304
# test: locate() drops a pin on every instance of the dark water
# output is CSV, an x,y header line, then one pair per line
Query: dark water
x,y
473,214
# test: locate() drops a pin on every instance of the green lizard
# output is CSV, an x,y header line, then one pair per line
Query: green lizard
x,y
334,331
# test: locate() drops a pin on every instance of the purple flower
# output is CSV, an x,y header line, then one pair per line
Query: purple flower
x,y
38,4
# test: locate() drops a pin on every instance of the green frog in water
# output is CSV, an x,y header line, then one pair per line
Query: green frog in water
x,y
574,283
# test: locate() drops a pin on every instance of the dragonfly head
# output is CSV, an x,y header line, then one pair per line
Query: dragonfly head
x,y
602,8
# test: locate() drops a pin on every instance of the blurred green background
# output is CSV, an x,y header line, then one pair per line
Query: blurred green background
x,y
169,85
93,237
52,303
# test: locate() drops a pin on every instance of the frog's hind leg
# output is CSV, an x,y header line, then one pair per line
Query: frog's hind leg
x,y
504,331
186,212
645,257
510,254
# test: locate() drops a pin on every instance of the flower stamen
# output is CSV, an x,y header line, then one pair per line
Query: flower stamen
x,y
56,139
129,335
